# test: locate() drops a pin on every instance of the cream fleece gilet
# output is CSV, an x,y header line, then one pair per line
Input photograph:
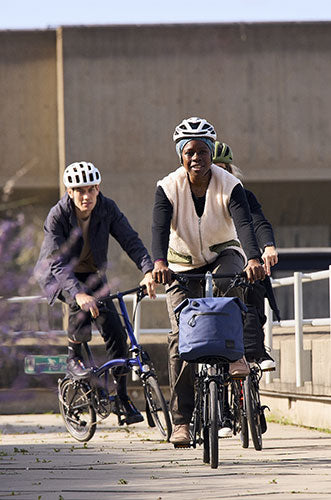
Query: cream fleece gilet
x,y
195,241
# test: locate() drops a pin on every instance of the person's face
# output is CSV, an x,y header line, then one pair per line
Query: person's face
x,y
196,158
84,198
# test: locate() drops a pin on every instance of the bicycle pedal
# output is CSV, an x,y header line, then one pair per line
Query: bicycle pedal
x,y
182,445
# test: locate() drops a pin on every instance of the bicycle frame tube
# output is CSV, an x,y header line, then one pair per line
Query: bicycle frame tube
x,y
129,329
114,363
130,362
126,320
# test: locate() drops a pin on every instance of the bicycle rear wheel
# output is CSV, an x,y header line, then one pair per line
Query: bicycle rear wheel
x,y
76,409
252,400
213,424
156,408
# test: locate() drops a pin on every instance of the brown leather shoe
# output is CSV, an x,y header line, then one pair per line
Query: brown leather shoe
x,y
239,369
180,435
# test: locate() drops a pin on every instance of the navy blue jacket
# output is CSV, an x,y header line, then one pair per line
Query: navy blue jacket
x,y
63,242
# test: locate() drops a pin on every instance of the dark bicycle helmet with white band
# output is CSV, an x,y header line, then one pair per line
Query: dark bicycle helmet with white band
x,y
80,174
194,127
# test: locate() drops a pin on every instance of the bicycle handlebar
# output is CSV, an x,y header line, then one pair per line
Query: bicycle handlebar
x,y
181,276
237,280
138,289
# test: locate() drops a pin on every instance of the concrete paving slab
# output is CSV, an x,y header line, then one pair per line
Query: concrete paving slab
x,y
40,461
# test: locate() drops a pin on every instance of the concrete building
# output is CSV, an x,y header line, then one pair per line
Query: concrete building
x,y
113,95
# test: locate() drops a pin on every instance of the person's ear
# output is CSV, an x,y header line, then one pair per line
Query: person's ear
x,y
97,188
70,192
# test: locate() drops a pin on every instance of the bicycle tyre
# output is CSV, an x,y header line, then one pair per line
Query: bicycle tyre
x,y
206,448
240,424
244,433
253,412
213,424
205,427
157,407
76,409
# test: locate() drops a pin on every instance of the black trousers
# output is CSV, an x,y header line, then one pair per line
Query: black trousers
x,y
108,322
254,321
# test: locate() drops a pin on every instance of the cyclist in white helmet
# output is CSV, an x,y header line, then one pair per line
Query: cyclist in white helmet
x,y
72,267
201,222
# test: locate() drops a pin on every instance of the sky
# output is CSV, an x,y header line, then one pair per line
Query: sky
x,y
42,14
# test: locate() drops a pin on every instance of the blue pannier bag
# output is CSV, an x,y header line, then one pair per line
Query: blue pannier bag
x,y
211,327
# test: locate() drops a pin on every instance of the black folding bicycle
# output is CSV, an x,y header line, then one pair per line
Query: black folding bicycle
x,y
211,380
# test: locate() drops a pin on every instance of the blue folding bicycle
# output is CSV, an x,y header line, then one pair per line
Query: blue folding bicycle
x,y
81,401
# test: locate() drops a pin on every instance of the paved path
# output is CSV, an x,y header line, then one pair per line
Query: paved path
x,y
40,461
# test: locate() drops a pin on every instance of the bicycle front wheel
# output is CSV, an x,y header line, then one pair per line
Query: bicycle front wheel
x,y
252,400
156,408
205,422
76,409
213,424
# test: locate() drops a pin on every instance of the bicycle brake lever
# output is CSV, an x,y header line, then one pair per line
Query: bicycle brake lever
x,y
238,282
141,293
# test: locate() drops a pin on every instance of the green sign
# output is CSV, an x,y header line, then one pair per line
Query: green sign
x,y
33,365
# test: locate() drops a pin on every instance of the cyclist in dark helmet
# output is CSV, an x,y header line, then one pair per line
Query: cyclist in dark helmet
x,y
223,157
201,222
254,297
72,267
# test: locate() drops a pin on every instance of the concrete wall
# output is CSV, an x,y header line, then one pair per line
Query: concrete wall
x,y
310,403
264,87
28,112
114,94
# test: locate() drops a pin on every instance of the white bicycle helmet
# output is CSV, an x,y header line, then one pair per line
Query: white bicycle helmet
x,y
81,173
194,127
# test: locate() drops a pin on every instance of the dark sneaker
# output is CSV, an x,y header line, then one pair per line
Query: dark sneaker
x,y
76,368
132,415
225,430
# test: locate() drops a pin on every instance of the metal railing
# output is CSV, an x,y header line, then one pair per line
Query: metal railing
x,y
130,298
297,281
